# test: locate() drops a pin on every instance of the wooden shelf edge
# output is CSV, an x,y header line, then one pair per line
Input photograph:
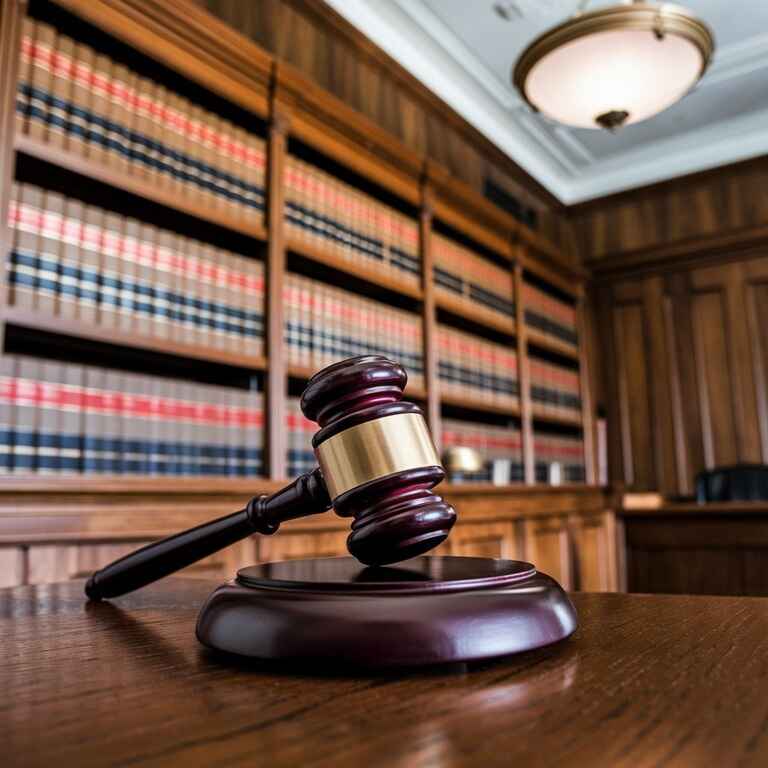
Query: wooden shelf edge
x,y
371,276
521,489
539,339
479,405
98,172
463,308
137,484
568,421
66,327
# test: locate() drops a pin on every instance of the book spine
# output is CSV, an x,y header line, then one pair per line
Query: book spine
x,y
111,271
79,108
99,129
50,246
24,78
25,459
23,212
60,92
7,412
131,290
39,110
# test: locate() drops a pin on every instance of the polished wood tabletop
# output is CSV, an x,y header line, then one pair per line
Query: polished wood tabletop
x,y
645,681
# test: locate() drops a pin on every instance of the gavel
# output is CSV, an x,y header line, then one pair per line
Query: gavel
x,y
377,465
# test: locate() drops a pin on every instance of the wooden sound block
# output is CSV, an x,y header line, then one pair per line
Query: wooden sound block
x,y
428,610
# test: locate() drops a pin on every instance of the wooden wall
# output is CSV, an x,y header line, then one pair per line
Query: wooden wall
x,y
312,37
682,303
729,202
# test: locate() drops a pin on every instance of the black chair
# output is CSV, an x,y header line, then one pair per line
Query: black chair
x,y
742,482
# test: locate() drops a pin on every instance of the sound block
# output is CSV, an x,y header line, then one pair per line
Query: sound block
x,y
428,610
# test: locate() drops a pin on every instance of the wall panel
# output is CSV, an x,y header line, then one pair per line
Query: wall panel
x,y
685,356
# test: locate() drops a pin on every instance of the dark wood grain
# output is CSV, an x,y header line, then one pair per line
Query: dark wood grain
x,y
646,681
716,549
720,210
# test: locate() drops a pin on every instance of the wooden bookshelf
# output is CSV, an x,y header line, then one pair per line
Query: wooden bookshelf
x,y
568,420
372,276
182,36
551,344
475,404
475,313
79,330
136,186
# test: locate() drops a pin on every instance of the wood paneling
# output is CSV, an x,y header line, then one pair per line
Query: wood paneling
x,y
288,545
486,540
684,358
595,552
548,547
726,206
689,550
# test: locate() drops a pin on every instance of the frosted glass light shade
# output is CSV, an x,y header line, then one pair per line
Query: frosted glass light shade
x,y
614,66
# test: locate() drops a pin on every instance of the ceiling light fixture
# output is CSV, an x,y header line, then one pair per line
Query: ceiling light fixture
x,y
614,66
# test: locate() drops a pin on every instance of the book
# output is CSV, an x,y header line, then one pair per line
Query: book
x,y
39,105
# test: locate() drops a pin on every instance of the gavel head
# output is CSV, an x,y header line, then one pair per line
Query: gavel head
x,y
377,459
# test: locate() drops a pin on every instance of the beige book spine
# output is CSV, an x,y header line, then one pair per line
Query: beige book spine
x,y
27,416
26,212
164,284
40,80
81,97
156,162
177,110
164,117
182,320
145,317
7,413
98,134
70,259
131,297
61,92
90,259
142,128
24,80
49,254
122,113
111,270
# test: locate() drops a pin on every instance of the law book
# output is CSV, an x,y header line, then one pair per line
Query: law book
x,y
197,160
40,81
244,200
186,290
89,257
111,270
22,214
7,412
164,300
177,317
49,417
153,155
98,141
189,178
49,253
69,259
125,83
165,151
246,195
24,78
235,301
25,459
61,91
80,97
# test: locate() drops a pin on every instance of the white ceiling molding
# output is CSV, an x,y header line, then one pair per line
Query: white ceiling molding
x,y
738,59
424,44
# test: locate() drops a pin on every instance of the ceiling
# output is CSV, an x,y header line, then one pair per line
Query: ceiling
x,y
464,51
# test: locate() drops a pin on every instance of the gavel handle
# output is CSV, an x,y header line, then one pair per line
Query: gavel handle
x,y
307,495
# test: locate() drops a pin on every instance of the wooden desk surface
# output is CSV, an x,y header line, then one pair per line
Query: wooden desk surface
x,y
647,680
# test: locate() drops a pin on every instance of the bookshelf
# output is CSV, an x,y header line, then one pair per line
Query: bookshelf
x,y
419,221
